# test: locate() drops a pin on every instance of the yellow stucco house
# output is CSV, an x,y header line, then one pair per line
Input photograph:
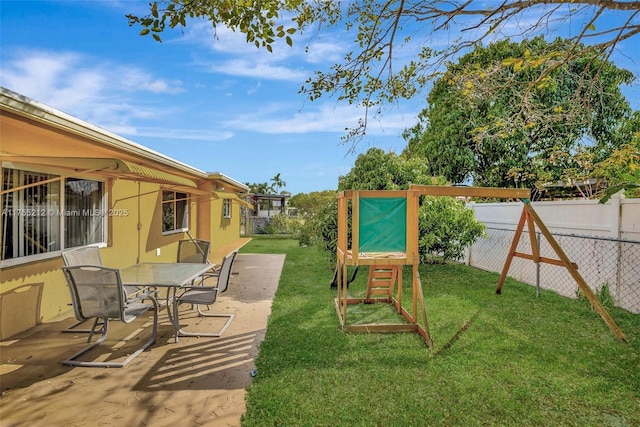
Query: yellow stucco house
x,y
66,183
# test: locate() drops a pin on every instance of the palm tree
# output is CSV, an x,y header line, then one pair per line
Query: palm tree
x,y
277,183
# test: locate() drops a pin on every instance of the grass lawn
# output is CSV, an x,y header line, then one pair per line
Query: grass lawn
x,y
521,361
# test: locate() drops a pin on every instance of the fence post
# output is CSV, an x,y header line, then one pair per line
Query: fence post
x,y
615,216
538,267
472,206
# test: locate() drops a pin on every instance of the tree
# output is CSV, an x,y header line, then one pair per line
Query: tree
x,y
488,124
259,188
378,170
377,71
277,183
622,169
309,204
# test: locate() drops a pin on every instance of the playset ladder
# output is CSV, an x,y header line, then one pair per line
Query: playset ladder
x,y
382,279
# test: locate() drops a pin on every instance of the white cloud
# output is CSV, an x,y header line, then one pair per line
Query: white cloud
x,y
35,73
181,134
94,90
261,70
254,89
230,54
322,52
325,118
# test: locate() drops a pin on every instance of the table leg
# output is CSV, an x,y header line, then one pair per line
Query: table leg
x,y
176,322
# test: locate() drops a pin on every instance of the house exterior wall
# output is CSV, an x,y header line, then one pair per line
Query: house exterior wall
x,y
36,292
224,230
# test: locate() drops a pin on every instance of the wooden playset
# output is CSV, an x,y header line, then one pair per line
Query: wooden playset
x,y
379,229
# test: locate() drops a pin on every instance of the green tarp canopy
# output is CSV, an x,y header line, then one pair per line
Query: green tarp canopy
x,y
383,224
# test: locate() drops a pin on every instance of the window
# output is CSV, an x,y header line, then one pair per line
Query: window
x,y
175,211
84,219
226,208
47,214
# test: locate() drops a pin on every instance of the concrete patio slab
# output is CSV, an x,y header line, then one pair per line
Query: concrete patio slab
x,y
197,381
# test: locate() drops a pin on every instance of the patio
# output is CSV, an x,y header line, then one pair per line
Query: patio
x,y
197,381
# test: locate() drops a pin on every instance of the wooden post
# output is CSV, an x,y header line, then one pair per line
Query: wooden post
x,y
399,305
512,251
535,252
416,279
345,279
355,227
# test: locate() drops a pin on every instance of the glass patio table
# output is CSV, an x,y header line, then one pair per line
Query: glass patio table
x,y
171,276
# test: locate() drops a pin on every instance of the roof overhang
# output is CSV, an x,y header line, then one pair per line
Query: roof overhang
x,y
234,197
109,167
223,178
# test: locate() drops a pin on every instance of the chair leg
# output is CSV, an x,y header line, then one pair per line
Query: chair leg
x,y
72,361
73,329
103,336
229,317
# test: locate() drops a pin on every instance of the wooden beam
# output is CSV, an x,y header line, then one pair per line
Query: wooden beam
x,y
381,193
343,286
352,301
544,259
501,193
512,251
533,241
355,227
381,328
339,312
424,331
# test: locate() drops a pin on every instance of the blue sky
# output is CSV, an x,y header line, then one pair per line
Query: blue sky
x,y
218,105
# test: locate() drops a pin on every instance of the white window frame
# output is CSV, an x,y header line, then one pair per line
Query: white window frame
x,y
227,209
58,210
178,197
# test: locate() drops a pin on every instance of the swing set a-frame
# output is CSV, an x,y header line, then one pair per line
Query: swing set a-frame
x,y
379,229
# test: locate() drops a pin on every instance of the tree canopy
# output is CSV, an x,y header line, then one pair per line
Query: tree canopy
x,y
266,188
259,188
385,66
519,125
311,203
379,170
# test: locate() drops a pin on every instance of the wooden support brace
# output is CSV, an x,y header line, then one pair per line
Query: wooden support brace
x,y
512,251
425,330
593,299
543,259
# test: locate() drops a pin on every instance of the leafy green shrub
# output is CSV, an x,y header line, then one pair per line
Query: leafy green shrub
x,y
284,224
305,237
322,228
446,227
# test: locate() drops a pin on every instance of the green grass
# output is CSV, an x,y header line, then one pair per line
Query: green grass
x,y
520,361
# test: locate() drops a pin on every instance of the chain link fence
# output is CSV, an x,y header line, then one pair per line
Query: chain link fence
x,y
611,267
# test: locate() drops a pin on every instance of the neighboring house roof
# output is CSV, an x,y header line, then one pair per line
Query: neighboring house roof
x,y
33,110
268,196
